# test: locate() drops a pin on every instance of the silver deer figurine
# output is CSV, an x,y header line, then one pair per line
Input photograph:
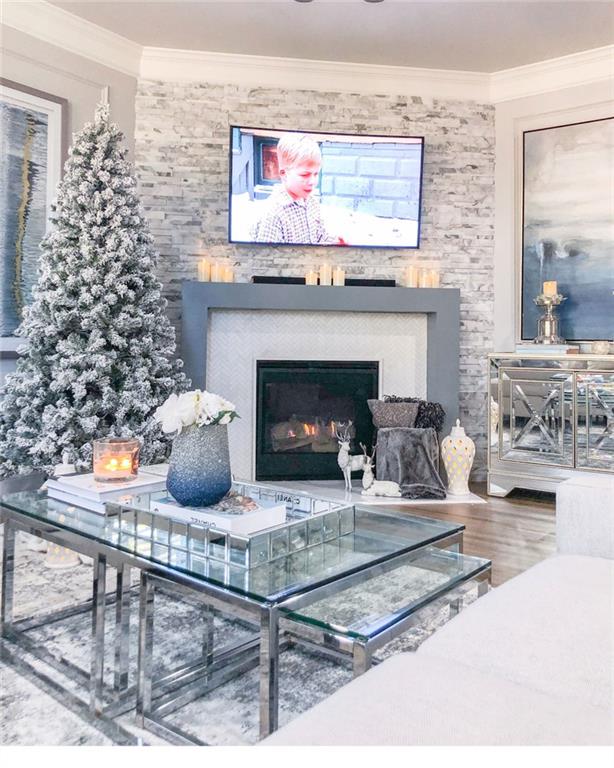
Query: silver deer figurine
x,y
367,474
348,464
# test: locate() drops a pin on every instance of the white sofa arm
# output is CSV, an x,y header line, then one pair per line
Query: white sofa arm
x,y
585,516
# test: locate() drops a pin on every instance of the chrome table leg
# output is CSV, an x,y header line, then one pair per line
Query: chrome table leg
x,y
8,579
145,660
122,629
97,660
208,635
484,583
361,659
269,670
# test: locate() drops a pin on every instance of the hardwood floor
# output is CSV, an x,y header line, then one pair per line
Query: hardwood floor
x,y
515,532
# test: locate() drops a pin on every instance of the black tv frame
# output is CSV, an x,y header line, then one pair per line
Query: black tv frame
x,y
252,244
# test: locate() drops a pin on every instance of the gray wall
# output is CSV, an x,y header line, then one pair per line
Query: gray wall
x,y
31,62
560,107
181,151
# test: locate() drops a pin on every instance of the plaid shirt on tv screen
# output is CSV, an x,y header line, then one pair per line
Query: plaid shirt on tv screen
x,y
285,220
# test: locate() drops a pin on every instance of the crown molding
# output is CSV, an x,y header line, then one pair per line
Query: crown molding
x,y
71,33
53,25
577,69
307,74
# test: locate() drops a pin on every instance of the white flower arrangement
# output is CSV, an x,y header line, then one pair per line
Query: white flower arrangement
x,y
196,407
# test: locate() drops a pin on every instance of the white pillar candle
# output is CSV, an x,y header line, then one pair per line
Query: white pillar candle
x,y
434,278
311,277
217,273
325,274
229,275
550,288
411,276
339,276
204,271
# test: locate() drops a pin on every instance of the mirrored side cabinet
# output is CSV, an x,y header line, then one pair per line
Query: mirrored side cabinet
x,y
550,418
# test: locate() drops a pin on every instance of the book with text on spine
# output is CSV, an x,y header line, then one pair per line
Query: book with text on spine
x,y
235,514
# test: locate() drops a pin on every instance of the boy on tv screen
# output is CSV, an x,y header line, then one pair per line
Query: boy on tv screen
x,y
292,212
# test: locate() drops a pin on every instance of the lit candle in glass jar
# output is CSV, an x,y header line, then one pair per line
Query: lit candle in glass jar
x,y
311,277
339,276
116,458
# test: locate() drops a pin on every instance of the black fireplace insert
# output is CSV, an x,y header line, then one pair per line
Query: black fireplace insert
x,y
300,406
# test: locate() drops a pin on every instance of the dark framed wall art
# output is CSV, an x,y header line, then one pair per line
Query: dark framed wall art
x,y
33,146
568,226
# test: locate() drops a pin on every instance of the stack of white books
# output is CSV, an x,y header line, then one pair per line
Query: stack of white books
x,y
528,348
236,514
84,491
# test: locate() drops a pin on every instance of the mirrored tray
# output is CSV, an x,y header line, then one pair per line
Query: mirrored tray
x,y
310,521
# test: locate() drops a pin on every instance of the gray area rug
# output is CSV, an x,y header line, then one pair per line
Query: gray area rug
x,y
31,714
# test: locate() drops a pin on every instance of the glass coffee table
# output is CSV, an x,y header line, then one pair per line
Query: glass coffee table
x,y
308,574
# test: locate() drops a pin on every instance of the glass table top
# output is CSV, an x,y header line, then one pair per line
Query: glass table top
x,y
364,610
363,537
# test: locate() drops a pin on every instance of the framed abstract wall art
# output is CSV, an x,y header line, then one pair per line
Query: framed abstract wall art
x,y
32,150
568,227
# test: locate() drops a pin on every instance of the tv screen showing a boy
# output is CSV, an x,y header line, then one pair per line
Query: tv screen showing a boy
x,y
295,188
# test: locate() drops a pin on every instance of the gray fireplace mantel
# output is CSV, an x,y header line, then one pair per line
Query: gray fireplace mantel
x,y
440,305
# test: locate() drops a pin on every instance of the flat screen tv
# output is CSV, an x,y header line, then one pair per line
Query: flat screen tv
x,y
305,188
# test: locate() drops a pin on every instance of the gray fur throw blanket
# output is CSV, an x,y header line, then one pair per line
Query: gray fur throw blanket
x,y
410,457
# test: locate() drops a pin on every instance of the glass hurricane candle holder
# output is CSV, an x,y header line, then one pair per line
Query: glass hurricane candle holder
x,y
116,459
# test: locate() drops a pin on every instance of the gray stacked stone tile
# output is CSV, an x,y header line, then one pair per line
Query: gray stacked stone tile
x,y
181,153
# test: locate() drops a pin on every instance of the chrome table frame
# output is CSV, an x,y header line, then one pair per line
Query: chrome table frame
x,y
193,680
105,701
361,651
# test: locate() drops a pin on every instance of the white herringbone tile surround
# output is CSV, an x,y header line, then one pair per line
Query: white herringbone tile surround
x,y
238,338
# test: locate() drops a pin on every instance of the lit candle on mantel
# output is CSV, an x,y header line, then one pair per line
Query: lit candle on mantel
x,y
326,274
411,276
434,278
204,271
229,275
550,288
339,276
424,278
217,273
311,277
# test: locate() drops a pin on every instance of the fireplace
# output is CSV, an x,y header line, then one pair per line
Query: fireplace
x,y
299,406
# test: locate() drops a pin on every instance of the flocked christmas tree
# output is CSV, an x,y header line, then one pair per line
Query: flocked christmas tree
x,y
99,356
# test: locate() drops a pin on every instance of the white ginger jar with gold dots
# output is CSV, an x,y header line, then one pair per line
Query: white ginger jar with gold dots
x,y
457,452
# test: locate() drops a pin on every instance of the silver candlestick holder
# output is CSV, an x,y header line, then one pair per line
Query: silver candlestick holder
x,y
548,324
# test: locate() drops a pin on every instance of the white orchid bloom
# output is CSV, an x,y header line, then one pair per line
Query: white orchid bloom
x,y
187,406
196,407
168,415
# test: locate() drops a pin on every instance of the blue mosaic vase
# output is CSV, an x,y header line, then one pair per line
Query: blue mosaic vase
x,y
199,467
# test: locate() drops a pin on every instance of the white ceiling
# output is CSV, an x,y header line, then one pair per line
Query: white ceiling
x,y
462,35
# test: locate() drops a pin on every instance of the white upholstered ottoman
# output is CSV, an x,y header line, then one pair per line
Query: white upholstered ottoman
x,y
585,515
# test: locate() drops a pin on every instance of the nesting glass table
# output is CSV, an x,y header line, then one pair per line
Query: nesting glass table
x,y
342,577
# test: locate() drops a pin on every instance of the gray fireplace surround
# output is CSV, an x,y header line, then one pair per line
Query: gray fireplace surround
x,y
440,305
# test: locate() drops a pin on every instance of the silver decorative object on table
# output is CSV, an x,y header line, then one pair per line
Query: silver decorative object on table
x,y
548,323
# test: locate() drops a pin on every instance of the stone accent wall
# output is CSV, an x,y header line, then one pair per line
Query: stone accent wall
x,y
182,161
